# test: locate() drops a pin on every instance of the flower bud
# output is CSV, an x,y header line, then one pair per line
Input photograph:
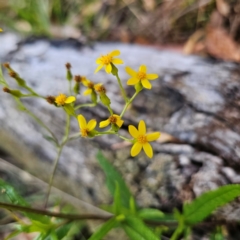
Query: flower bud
x,y
138,87
76,88
69,109
105,99
94,97
69,74
15,93
114,70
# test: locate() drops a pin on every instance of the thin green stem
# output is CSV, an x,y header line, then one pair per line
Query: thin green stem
x,y
52,175
110,110
128,103
39,121
85,105
121,88
67,129
70,87
126,139
64,141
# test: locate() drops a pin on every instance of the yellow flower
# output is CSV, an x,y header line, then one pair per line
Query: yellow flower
x,y
62,99
86,128
108,60
141,139
90,87
113,119
1,30
140,76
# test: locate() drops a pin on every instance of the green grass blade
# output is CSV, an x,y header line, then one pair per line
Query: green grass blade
x,y
104,229
138,228
150,214
113,176
204,205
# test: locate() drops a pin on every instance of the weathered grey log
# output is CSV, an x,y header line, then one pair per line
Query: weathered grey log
x,y
196,100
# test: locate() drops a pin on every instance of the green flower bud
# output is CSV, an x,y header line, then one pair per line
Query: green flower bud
x,y
105,99
94,97
76,88
138,87
114,70
69,109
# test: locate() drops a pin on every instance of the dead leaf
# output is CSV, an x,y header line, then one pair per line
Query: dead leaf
x,y
193,41
165,137
219,44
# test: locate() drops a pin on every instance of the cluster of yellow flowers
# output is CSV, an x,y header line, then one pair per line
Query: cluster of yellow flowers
x,y
140,79
140,138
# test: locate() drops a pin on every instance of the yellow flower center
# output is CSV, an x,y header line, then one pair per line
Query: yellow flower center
x,y
112,119
84,132
106,59
90,85
60,99
142,139
141,75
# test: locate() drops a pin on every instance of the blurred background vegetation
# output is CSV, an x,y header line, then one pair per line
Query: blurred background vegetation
x,y
124,20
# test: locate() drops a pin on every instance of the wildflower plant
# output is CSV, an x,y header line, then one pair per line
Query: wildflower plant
x,y
146,224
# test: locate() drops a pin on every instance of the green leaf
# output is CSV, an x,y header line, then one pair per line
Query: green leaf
x,y
204,205
113,176
13,234
2,79
150,214
138,228
15,198
104,229
61,232
132,234
117,200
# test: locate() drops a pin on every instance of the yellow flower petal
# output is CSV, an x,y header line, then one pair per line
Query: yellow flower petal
x,y
117,61
152,76
143,68
146,84
98,68
91,125
133,131
86,82
148,149
142,127
103,124
70,99
108,68
99,61
136,149
153,136
87,92
119,122
132,81
115,53
82,121
131,72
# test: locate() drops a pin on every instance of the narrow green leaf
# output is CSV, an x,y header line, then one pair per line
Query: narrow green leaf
x,y
132,234
104,229
63,231
150,214
138,226
117,200
15,198
113,176
204,205
13,234
132,205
